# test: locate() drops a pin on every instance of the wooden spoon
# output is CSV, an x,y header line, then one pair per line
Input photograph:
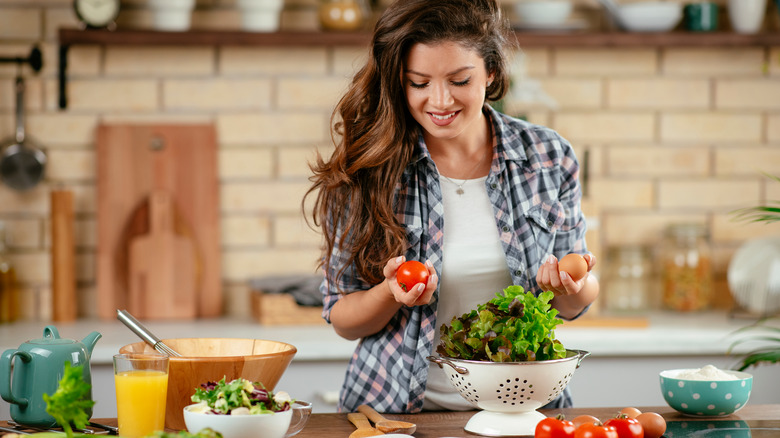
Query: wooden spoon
x,y
385,425
364,428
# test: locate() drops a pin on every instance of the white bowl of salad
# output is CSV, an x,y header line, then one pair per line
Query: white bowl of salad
x,y
245,409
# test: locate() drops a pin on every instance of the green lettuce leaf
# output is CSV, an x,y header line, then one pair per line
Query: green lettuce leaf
x,y
514,326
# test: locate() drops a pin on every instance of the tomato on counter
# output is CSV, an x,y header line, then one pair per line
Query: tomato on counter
x,y
626,427
593,430
556,427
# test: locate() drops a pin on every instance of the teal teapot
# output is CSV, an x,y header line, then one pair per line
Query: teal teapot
x,y
38,367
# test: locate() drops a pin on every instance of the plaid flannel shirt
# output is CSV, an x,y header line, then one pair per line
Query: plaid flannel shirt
x,y
536,200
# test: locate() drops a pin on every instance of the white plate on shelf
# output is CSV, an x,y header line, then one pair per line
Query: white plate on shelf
x,y
754,275
567,26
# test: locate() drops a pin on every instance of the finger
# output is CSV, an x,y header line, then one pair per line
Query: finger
x,y
433,281
591,259
425,298
412,297
567,283
391,267
542,275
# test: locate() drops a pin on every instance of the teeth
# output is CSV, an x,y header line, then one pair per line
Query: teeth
x,y
438,117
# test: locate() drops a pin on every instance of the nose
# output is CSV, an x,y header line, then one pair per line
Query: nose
x,y
440,95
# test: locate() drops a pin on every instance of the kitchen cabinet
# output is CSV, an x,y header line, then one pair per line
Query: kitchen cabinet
x,y
622,369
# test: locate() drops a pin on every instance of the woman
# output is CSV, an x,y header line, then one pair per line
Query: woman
x,y
424,170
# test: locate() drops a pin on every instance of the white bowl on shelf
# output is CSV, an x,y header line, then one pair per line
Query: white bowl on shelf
x,y
260,15
543,13
650,16
171,15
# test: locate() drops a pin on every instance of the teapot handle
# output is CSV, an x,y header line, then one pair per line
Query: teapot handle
x,y
51,332
5,376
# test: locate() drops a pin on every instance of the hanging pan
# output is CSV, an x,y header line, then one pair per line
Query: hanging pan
x,y
22,164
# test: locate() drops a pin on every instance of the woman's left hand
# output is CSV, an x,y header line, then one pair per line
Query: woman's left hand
x,y
560,283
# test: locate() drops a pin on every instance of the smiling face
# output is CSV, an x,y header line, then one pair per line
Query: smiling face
x,y
445,86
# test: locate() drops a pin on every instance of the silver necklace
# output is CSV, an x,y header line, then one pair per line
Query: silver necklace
x,y
459,190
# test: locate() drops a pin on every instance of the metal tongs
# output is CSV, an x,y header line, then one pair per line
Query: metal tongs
x,y
144,333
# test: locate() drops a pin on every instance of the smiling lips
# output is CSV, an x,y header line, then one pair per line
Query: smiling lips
x,y
443,119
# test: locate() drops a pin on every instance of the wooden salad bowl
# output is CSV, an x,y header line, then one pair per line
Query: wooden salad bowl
x,y
211,359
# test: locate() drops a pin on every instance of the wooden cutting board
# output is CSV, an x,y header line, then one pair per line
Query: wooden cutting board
x,y
162,266
137,162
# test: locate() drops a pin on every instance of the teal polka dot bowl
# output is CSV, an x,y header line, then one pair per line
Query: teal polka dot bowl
x,y
706,398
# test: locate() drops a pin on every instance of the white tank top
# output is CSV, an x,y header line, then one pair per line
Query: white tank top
x,y
474,269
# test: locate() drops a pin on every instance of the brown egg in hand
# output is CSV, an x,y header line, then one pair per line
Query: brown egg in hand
x,y
574,265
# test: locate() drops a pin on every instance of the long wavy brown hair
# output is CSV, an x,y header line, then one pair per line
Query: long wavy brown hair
x,y
375,134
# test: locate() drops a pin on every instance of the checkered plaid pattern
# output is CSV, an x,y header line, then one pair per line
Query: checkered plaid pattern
x,y
536,200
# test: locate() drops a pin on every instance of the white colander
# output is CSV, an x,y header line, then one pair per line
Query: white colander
x,y
509,393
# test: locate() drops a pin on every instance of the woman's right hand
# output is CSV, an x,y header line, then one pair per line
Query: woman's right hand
x,y
418,295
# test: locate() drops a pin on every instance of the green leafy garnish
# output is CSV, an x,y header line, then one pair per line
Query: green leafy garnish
x,y
513,327
71,400
251,398
203,433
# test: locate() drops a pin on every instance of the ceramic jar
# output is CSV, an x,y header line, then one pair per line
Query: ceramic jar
x,y
687,268
260,15
747,16
342,15
171,15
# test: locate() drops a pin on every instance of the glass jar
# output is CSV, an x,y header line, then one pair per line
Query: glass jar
x,y
343,15
628,279
687,268
9,299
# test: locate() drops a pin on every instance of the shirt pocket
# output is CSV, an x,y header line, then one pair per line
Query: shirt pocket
x,y
545,219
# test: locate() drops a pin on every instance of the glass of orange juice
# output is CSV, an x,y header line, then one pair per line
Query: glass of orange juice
x,y
141,381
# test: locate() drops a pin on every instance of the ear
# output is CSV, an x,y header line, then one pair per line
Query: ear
x,y
490,78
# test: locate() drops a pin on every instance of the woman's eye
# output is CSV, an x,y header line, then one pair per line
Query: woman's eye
x,y
416,85
461,83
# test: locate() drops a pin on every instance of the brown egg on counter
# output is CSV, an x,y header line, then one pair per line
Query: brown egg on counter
x,y
574,265
653,424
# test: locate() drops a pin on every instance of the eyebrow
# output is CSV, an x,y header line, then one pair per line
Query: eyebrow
x,y
452,73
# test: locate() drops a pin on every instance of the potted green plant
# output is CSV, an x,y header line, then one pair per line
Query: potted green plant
x,y
762,330
762,213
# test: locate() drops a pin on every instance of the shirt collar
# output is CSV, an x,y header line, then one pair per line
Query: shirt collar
x,y
505,134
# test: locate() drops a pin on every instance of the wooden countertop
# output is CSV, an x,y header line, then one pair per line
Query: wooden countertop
x,y
450,424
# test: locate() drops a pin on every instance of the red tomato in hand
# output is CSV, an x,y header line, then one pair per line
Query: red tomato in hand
x,y
554,428
411,273
626,427
591,430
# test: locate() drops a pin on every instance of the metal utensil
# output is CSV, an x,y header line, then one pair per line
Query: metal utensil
x,y
10,430
22,164
385,425
111,429
144,333
18,428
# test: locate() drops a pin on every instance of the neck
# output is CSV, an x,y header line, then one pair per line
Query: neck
x,y
464,157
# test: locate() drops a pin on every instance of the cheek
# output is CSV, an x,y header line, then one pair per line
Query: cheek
x,y
414,99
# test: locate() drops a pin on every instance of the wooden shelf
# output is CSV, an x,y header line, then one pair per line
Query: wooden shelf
x,y
635,39
210,38
138,37
579,38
